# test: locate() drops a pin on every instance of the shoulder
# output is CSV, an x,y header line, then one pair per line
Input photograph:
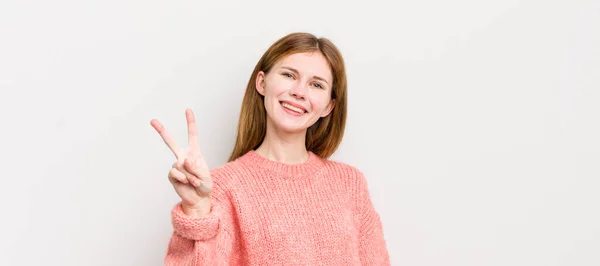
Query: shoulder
x,y
345,172
225,174
342,168
353,180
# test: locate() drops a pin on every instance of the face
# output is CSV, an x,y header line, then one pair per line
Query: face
x,y
297,91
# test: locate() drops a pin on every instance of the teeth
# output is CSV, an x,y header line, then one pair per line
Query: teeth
x,y
292,108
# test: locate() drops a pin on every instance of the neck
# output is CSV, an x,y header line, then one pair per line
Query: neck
x,y
284,147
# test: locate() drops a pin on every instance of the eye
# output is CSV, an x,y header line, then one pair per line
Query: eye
x,y
318,85
287,74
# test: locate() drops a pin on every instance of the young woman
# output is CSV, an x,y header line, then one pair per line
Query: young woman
x,y
278,200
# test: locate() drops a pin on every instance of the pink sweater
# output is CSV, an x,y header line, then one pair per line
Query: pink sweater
x,y
270,213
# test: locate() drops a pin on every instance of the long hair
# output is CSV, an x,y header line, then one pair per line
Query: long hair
x,y
322,138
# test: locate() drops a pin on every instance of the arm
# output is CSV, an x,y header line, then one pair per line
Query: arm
x,y
373,250
206,240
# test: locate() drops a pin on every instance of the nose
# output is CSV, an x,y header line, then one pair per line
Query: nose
x,y
298,91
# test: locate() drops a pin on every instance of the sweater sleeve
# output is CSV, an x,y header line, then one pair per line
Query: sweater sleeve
x,y
372,245
208,240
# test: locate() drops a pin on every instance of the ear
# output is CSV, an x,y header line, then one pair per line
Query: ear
x,y
329,108
260,83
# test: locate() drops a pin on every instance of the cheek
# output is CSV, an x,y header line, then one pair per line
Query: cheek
x,y
320,102
276,86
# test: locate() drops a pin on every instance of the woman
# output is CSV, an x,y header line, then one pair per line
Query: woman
x,y
278,200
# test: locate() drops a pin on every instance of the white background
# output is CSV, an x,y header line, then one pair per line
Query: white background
x,y
476,122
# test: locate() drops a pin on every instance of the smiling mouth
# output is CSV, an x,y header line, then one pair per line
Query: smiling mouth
x,y
293,108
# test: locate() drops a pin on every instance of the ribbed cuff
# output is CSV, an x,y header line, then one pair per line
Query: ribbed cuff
x,y
199,229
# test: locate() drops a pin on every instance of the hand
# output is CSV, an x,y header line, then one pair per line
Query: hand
x,y
189,175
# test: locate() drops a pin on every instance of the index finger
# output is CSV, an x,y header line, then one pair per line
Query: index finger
x,y
192,131
166,136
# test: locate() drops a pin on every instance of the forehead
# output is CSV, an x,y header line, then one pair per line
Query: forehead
x,y
309,64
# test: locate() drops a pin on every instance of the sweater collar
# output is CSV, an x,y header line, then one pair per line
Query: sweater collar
x,y
307,168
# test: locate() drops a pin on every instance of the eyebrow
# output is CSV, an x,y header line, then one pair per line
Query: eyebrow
x,y
297,73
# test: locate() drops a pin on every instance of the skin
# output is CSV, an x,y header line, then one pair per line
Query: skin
x,y
302,79
189,175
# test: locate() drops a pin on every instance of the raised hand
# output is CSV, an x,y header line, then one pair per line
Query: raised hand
x,y
189,175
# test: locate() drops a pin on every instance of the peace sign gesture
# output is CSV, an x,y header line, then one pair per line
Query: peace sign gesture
x,y
189,175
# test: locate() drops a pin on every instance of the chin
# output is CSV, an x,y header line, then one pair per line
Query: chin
x,y
290,127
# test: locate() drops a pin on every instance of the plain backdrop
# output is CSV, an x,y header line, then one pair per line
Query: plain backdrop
x,y
476,122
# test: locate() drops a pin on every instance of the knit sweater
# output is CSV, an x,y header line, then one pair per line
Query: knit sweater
x,y
264,212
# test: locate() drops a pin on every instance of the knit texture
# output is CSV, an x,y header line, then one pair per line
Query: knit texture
x,y
264,212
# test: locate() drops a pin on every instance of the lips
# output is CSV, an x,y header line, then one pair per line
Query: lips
x,y
294,107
